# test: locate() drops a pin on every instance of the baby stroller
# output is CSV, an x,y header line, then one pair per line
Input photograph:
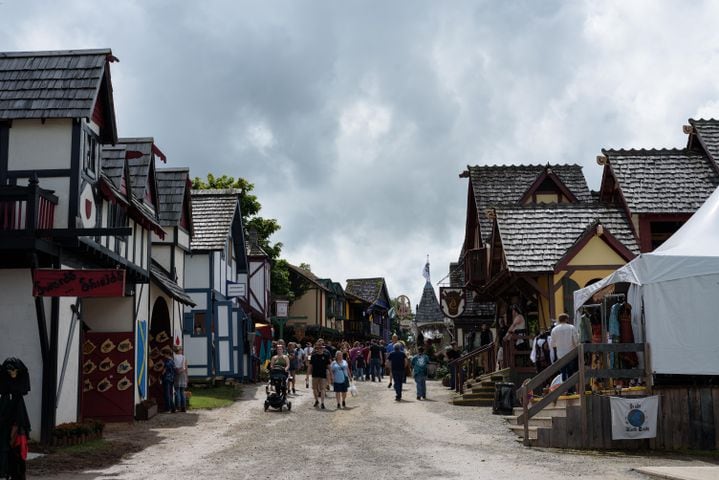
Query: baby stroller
x,y
276,390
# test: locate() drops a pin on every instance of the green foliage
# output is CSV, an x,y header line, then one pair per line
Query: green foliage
x,y
266,227
305,266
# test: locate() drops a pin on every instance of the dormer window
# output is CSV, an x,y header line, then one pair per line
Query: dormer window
x,y
547,188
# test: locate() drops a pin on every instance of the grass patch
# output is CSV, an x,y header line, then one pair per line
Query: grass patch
x,y
214,397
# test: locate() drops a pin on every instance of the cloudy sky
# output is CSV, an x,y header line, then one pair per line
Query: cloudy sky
x,y
355,118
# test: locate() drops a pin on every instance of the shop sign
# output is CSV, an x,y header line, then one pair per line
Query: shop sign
x,y
236,289
48,282
452,301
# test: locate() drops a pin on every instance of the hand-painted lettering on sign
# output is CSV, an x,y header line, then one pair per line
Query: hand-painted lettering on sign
x,y
49,282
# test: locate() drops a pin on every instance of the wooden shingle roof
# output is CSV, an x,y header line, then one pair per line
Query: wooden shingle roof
x,y
168,285
662,181
368,289
708,134
498,185
139,165
173,184
428,310
212,214
58,84
309,276
113,163
536,238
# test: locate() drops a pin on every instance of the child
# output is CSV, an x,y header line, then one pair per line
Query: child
x,y
419,370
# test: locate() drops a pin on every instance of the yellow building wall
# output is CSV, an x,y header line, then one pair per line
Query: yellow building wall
x,y
310,305
595,252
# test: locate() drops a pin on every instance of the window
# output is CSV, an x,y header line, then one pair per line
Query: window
x,y
89,161
198,323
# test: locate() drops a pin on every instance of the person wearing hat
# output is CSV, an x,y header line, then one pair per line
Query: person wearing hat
x,y
319,370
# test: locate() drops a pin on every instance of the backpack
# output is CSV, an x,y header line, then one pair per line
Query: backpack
x,y
169,374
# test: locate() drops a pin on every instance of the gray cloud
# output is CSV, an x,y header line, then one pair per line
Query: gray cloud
x,y
354,119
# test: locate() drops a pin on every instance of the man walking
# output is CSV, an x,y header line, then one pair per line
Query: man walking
x,y
319,369
419,371
390,349
375,361
564,338
397,361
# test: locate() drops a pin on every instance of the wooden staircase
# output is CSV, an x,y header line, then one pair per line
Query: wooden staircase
x,y
550,419
479,392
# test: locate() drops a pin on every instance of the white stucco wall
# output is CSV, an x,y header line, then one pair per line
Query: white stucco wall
x,y
162,255
37,145
183,238
70,342
20,338
109,314
197,271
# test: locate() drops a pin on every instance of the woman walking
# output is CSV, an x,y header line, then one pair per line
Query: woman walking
x,y
180,379
340,377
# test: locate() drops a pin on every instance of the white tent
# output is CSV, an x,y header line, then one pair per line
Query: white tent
x,y
678,285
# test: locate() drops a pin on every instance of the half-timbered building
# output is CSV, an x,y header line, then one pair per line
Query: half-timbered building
x,y
369,298
75,249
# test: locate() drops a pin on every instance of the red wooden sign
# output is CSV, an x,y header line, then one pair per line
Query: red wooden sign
x,y
48,282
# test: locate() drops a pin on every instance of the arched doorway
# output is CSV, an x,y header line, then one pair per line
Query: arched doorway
x,y
159,343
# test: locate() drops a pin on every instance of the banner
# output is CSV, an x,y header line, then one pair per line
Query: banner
x,y
49,282
634,418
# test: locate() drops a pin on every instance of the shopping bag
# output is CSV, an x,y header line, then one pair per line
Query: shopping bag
x,y
353,390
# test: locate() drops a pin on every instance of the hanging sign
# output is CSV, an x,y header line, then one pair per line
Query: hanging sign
x,y
452,301
634,417
48,282
236,289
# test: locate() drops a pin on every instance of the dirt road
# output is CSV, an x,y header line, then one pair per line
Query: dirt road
x,y
375,438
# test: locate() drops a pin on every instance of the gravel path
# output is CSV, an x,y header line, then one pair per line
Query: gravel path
x,y
375,438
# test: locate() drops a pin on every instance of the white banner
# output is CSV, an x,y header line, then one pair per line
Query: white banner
x,y
634,418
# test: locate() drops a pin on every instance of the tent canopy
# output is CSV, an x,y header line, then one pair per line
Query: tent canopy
x,y
679,289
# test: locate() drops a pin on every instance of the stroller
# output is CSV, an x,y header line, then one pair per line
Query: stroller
x,y
276,390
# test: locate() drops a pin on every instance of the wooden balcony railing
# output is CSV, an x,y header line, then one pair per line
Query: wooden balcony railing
x,y
479,361
26,208
475,267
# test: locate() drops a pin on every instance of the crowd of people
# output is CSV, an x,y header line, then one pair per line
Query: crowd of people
x,y
327,366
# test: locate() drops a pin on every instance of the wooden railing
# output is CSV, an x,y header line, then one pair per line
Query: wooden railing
x,y
511,354
26,208
579,377
476,362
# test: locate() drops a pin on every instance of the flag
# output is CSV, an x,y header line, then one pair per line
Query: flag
x,y
425,272
634,417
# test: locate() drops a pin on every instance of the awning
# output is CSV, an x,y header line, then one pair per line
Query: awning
x,y
163,280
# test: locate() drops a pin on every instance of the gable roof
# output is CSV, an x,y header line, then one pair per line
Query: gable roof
x,y
309,276
536,238
113,164
367,289
140,161
57,84
173,187
498,185
428,310
212,214
662,181
708,134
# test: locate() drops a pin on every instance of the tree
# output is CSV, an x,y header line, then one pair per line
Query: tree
x,y
250,208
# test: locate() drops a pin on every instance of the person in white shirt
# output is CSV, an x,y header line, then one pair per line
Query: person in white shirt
x,y
564,338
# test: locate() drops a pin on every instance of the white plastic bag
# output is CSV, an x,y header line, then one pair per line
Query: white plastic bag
x,y
353,390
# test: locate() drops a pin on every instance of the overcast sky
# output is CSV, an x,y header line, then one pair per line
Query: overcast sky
x,y
354,119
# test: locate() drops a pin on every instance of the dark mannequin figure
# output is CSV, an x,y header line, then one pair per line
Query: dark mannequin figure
x,y
14,421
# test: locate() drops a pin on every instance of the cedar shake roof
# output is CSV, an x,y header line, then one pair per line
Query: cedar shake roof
x,y
497,185
212,214
662,181
140,166
428,310
367,289
309,276
536,238
113,164
56,84
708,133
173,185
168,285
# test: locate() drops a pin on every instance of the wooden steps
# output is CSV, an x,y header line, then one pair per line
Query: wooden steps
x,y
479,392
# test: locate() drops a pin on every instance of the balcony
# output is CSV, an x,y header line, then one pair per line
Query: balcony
x,y
475,267
24,210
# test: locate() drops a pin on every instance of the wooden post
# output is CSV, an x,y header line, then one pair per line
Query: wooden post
x,y
648,377
525,413
582,391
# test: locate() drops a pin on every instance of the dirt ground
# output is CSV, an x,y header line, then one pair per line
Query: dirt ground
x,y
374,438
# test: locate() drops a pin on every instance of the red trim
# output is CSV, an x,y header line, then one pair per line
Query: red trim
x,y
531,193
159,153
645,230
608,238
98,114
